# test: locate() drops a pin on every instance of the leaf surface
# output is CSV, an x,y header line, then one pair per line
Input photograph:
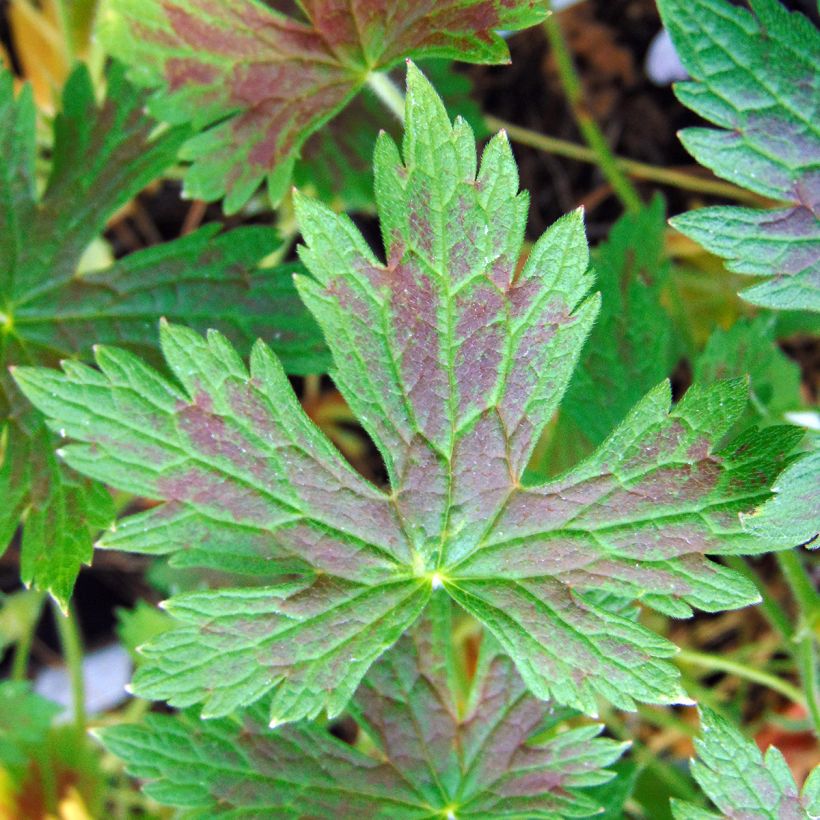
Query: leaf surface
x,y
257,80
50,310
436,754
768,139
454,365
741,782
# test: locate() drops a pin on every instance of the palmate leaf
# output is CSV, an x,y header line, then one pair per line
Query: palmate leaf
x,y
454,365
436,754
103,156
769,142
258,78
741,782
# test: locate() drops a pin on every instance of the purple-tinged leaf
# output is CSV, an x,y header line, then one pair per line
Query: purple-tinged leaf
x,y
436,755
258,81
454,364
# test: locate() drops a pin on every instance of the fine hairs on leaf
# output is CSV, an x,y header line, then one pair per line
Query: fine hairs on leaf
x,y
454,363
491,753
754,75
50,309
255,82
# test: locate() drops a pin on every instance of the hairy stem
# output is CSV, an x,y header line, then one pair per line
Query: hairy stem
x,y
71,643
388,92
590,130
717,664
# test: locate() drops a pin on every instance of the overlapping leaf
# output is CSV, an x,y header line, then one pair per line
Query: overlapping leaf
x,y
259,78
49,310
742,783
436,754
755,76
454,364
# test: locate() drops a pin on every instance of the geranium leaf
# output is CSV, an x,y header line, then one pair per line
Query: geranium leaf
x,y
743,783
257,81
454,364
769,142
437,755
49,309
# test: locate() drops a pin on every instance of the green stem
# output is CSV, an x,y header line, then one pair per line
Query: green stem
x,y
808,607
772,611
638,170
71,643
715,663
388,92
590,130
19,666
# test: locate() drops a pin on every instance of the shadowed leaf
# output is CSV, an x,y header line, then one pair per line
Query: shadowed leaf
x,y
50,310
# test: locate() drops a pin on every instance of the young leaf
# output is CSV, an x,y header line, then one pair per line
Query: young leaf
x,y
769,142
103,156
257,82
436,754
454,365
742,783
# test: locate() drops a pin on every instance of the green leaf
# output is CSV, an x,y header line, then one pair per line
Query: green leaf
x,y
434,754
257,82
755,77
741,782
454,364
749,348
793,511
630,347
50,310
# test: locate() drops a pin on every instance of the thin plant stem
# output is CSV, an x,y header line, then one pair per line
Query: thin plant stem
x,y
19,666
808,607
71,643
731,667
769,607
636,169
388,92
589,128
